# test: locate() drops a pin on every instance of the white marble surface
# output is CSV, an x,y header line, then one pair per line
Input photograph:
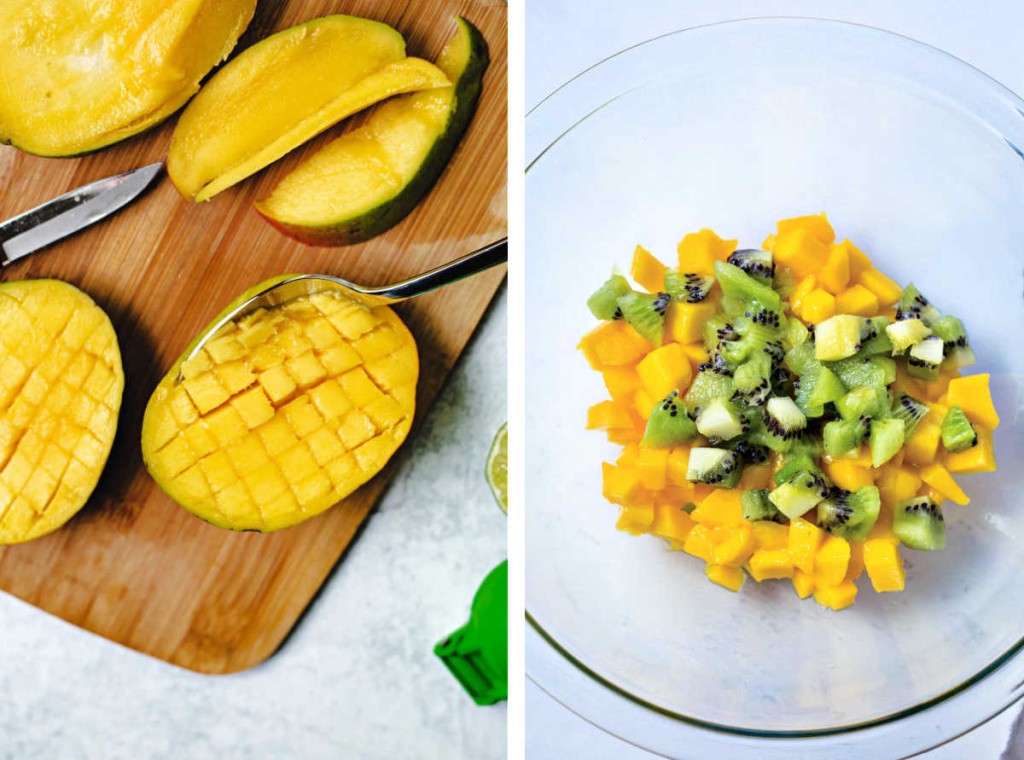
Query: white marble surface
x,y
356,679
563,39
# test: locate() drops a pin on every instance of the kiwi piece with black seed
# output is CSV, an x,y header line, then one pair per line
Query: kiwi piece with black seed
x,y
886,439
865,401
736,283
875,341
826,388
759,264
707,384
913,305
924,358
957,350
958,434
918,524
795,462
858,371
718,330
669,424
841,437
905,333
720,421
688,287
645,312
910,410
799,494
714,467
752,379
782,417
850,514
757,507
604,303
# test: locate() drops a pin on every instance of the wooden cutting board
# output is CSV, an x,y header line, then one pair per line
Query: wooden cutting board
x,y
135,567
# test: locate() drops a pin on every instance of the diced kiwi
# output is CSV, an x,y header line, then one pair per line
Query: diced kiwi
x,y
859,371
918,524
837,337
759,435
795,334
757,263
719,420
752,379
800,359
799,494
910,410
865,401
646,313
958,433
795,462
885,440
887,366
706,385
840,437
688,287
714,467
913,305
783,417
738,284
956,349
875,340
906,333
669,424
756,506
850,515
924,358
827,388
749,452
604,303
717,330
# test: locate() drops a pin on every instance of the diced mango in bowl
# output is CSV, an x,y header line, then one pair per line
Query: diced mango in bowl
x,y
788,412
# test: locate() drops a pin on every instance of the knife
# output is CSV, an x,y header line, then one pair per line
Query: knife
x,y
71,212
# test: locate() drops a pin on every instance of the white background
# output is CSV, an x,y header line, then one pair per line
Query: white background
x,y
564,37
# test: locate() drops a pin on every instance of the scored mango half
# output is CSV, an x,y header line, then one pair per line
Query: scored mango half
x,y
61,382
283,91
82,74
284,413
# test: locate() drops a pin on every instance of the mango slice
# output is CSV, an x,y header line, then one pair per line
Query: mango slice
x,y
61,382
89,73
369,179
283,414
283,91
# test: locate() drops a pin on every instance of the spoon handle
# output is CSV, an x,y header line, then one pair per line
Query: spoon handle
x,y
485,258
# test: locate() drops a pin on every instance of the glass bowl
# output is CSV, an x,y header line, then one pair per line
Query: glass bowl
x,y
915,157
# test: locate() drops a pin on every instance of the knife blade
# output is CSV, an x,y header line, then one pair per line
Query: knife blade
x,y
71,212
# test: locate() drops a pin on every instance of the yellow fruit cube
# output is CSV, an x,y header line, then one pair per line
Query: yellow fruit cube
x,y
848,474
382,341
735,548
235,376
770,563
647,271
816,224
224,348
800,250
620,484
755,476
340,359
248,455
277,435
664,369
835,274
621,383
887,291
805,538
226,425
726,576
884,565
322,336
671,522
831,561
859,261
302,416
857,300
938,477
722,507
695,352
677,464
684,322
972,394
643,403
897,483
356,429
635,519
254,407
836,597
297,463
218,470
699,542
330,399
923,444
385,412
205,391
277,383
699,251
199,439
653,467
817,306
770,535
306,369
803,583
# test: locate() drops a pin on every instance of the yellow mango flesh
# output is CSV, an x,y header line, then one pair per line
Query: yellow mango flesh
x,y
283,91
61,382
284,414
94,72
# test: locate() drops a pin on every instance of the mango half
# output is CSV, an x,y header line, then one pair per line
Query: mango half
x,y
370,178
284,413
283,91
82,74
61,382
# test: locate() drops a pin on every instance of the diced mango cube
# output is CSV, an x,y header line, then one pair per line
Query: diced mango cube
x,y
613,344
698,251
979,458
884,565
664,369
770,535
735,548
836,597
671,522
800,250
803,583
972,394
831,561
887,291
816,224
726,576
647,271
722,507
684,322
770,563
857,300
635,519
938,477
206,392
621,484
699,542
805,538
653,467
835,274
923,444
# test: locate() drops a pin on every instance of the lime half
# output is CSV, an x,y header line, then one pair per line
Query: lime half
x,y
497,467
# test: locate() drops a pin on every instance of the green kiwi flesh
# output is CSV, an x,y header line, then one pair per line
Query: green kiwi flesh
x,y
645,312
669,424
603,304
958,434
756,506
850,514
714,467
918,524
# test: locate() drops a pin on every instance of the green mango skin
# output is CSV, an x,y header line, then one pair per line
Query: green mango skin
x,y
464,61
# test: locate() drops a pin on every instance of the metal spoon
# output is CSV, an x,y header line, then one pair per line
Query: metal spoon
x,y
308,284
